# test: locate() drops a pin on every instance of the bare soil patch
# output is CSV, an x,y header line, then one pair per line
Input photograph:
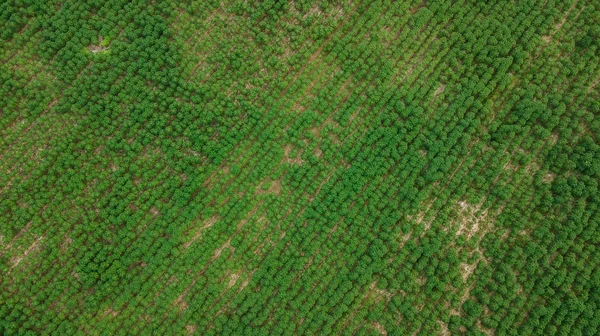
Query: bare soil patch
x,y
561,23
379,293
293,160
467,269
470,219
439,90
154,211
549,177
15,261
444,331
180,302
207,224
110,312
233,279
379,328
269,187
191,329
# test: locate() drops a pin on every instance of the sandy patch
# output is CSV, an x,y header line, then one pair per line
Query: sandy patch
x,y
444,331
561,23
549,177
467,269
67,241
269,187
180,302
190,329
154,211
379,293
379,328
207,224
287,149
15,261
470,218
439,90
233,279
110,312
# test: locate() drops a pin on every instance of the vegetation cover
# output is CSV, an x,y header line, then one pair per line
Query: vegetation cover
x,y
236,167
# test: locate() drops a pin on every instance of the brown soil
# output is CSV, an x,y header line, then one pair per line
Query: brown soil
x,y
207,223
233,280
467,269
444,331
379,328
439,90
33,247
191,329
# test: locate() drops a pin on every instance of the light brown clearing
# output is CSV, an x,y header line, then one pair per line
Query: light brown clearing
x,y
287,149
99,149
33,247
549,177
559,25
439,90
207,224
487,331
154,211
336,139
98,48
133,207
470,218
314,10
510,167
219,250
409,72
405,238
274,187
298,107
246,281
416,8
564,19
466,294
191,329
547,38
378,293
318,153
180,302
337,11
110,312
467,269
524,232
454,312
444,331
379,328
419,218
532,167
233,279
594,84
67,241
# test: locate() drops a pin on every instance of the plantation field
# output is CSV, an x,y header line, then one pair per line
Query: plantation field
x,y
377,167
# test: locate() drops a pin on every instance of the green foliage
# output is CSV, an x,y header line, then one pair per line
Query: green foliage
x,y
299,167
